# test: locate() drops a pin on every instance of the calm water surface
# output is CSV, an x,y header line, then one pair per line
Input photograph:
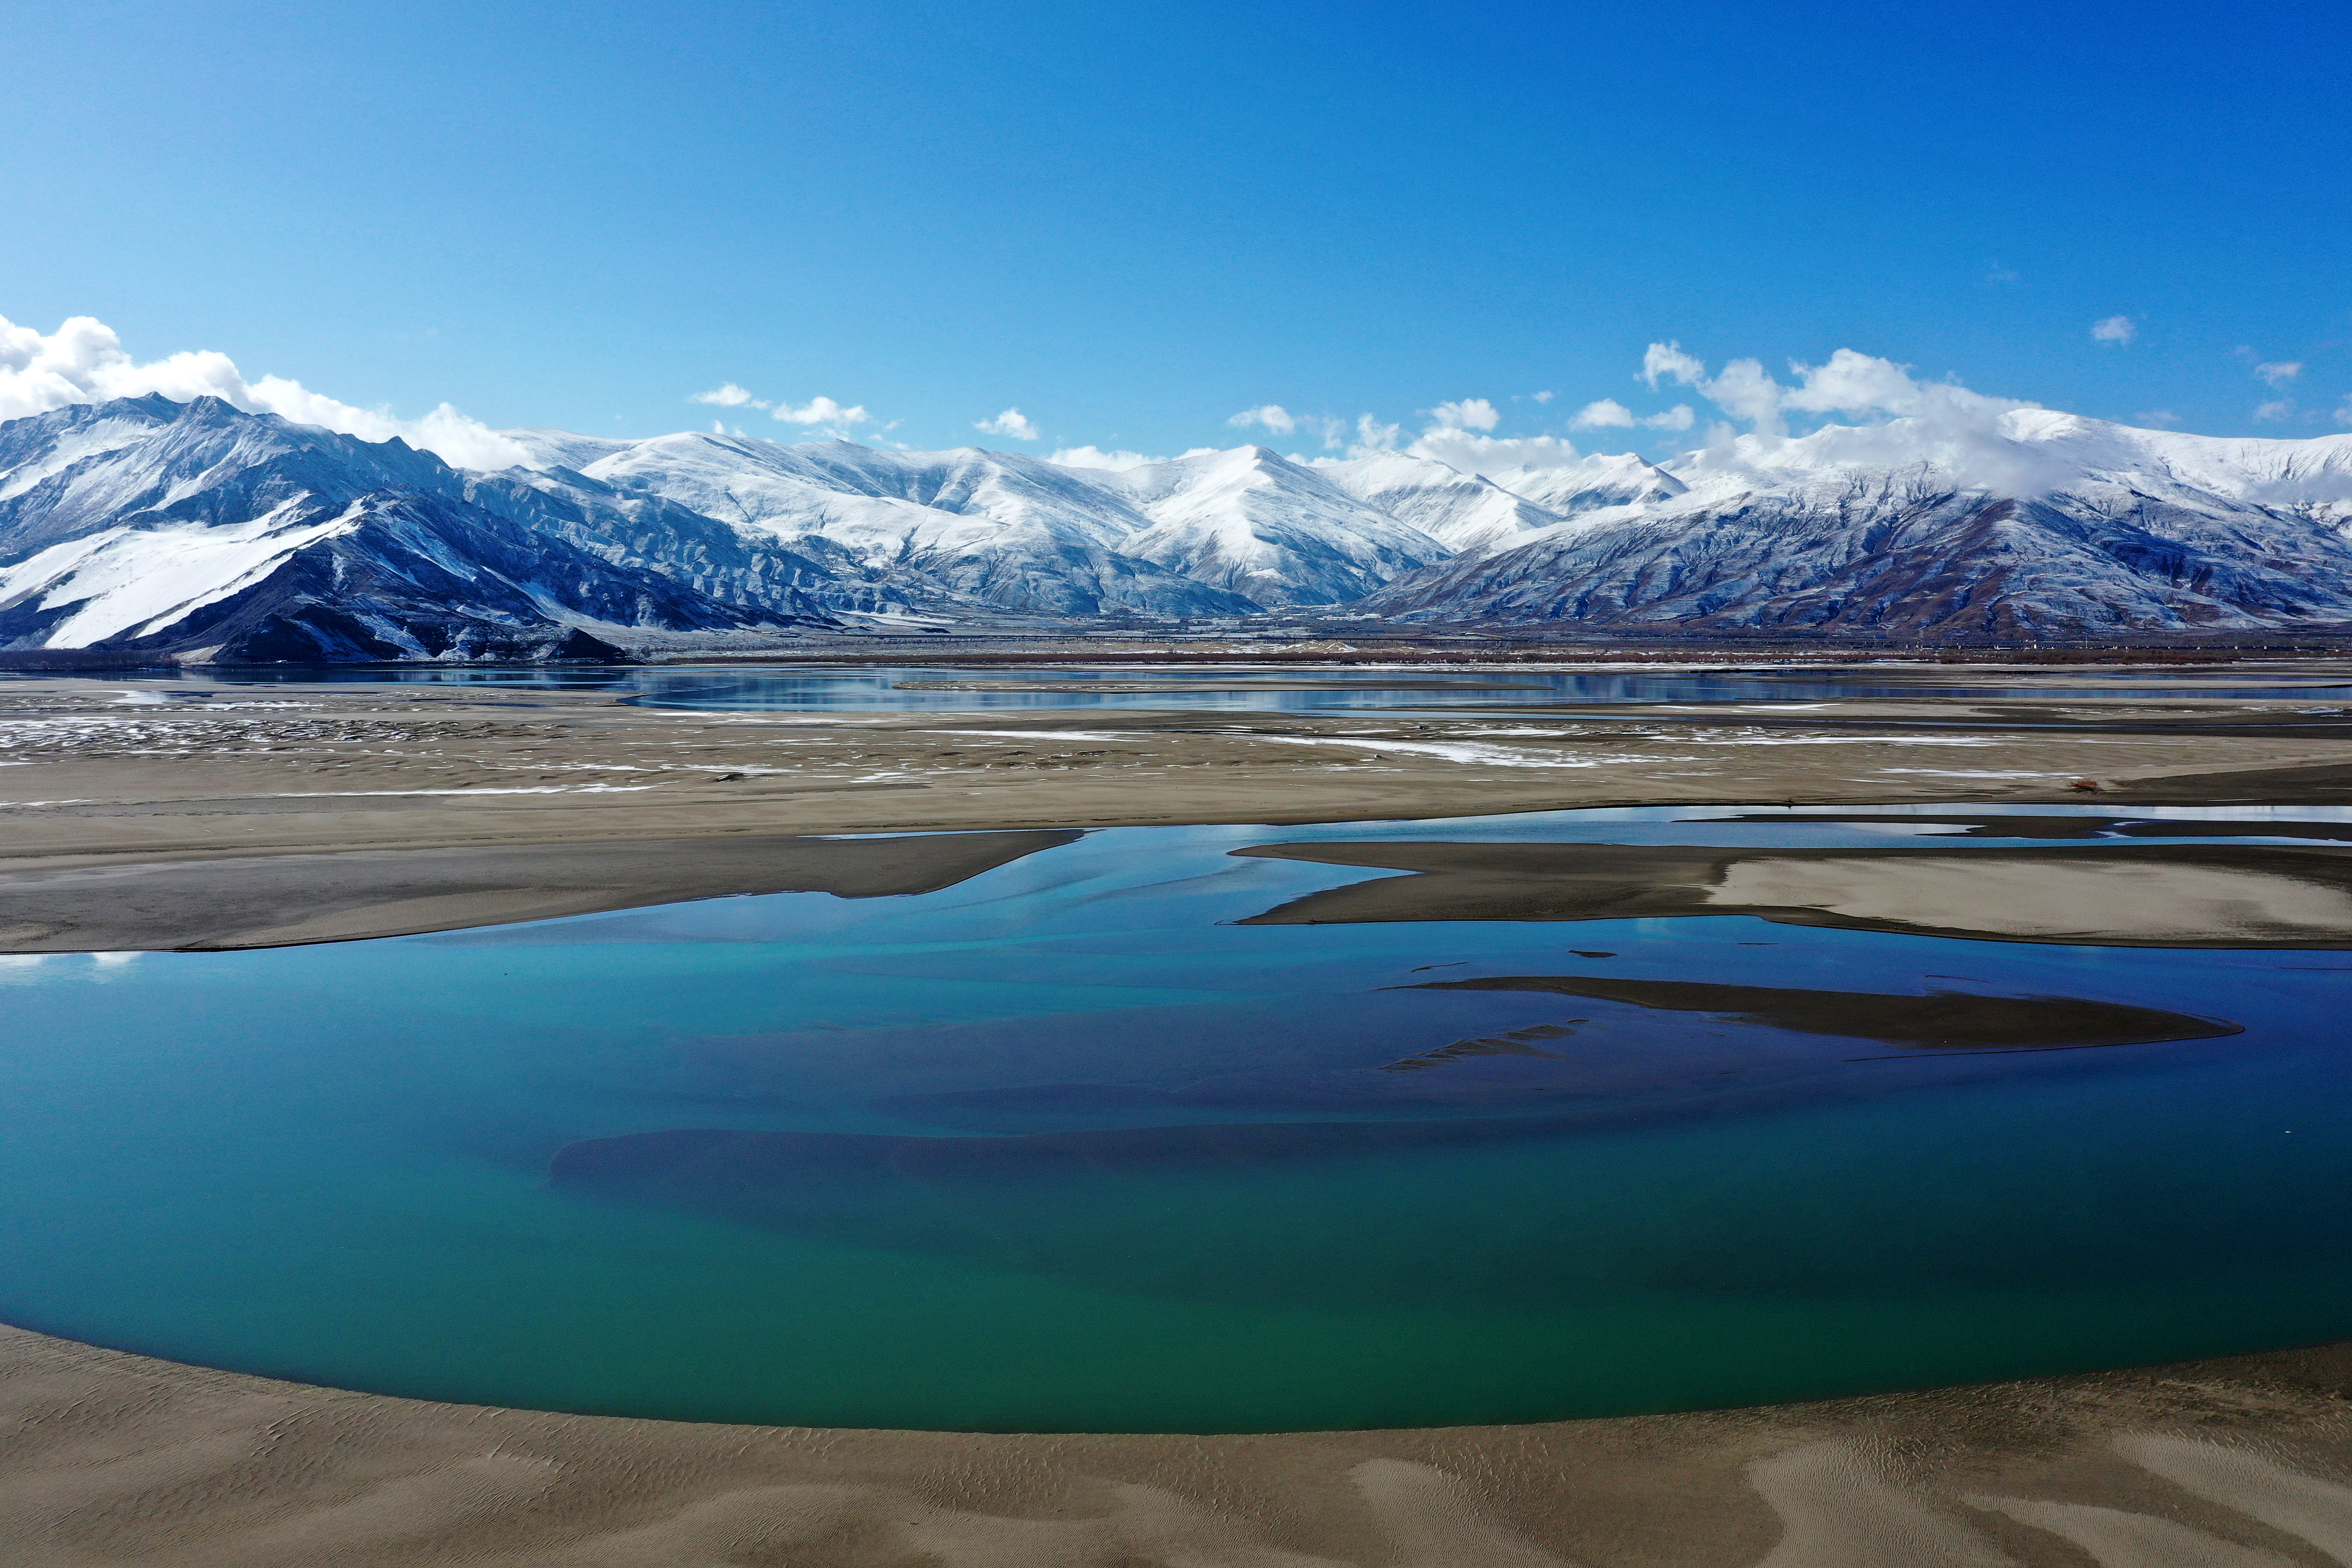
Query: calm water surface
x,y
1253,688
332,1163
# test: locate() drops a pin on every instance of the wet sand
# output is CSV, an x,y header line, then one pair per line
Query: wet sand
x,y
302,797
2124,894
239,901
1941,1020
116,1461
294,813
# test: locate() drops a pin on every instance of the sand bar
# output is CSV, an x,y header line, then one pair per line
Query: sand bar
x,y
2122,895
113,775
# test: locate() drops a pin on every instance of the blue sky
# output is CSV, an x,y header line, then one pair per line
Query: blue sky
x,y
1131,222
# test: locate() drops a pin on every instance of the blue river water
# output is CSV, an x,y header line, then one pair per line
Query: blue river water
x,y
846,689
333,1163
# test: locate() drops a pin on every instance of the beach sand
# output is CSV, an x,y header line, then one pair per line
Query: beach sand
x,y
116,1461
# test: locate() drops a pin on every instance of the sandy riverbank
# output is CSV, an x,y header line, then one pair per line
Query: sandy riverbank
x,y
231,815
116,1461
302,798
2124,894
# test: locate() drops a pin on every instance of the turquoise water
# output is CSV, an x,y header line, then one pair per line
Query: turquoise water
x,y
332,1163
805,689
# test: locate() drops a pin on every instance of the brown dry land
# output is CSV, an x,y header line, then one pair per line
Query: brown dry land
x,y
2125,895
115,1461
313,809
223,816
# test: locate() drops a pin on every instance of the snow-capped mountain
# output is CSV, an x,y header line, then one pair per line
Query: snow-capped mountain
x,y
963,531
195,527
199,530
1278,532
2116,528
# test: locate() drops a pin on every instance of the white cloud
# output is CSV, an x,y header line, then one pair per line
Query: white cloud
x,y
728,397
2343,415
1901,421
2280,374
1475,454
2158,418
1543,396
1470,414
1610,415
2281,409
1095,457
1272,416
1372,436
2116,330
1013,423
84,361
1455,435
824,411
1668,360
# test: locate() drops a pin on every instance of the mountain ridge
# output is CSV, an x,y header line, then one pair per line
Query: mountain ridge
x,y
196,530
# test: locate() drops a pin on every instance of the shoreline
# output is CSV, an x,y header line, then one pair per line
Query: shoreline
x,y
133,820
297,814
123,1461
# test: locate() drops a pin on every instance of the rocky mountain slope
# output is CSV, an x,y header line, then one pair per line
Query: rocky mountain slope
x,y
2094,526
200,531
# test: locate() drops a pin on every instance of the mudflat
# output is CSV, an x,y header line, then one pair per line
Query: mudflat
x,y
300,795
2122,895
258,901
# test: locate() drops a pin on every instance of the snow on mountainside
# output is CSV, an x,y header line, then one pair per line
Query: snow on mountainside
x,y
966,530
145,523
1593,484
2120,529
1462,511
201,531
1261,526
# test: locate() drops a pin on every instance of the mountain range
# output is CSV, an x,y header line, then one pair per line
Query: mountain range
x,y
201,532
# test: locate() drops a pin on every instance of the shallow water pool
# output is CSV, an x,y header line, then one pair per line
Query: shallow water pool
x,y
1062,1147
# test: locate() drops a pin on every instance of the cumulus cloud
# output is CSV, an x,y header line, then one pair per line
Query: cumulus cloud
x,y
2281,409
1668,360
2116,330
1898,421
824,411
1372,436
1455,435
1543,396
2279,374
1095,457
1470,414
1013,423
84,361
1475,454
728,397
1272,416
1610,415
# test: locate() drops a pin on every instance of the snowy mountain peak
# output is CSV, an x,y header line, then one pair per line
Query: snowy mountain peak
x,y
148,523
